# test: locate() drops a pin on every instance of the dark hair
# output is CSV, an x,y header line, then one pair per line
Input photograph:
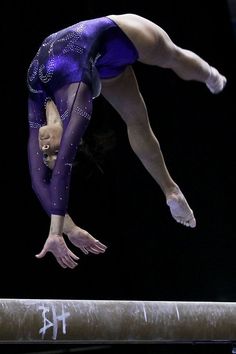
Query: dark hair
x,y
94,149
99,140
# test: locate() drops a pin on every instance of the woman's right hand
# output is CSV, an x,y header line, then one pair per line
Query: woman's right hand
x,y
57,246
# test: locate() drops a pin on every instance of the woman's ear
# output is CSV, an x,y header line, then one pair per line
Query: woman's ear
x,y
45,147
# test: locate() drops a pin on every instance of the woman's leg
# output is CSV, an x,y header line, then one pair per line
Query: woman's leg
x,y
124,95
156,48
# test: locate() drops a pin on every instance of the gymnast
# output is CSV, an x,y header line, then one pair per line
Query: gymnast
x,y
71,68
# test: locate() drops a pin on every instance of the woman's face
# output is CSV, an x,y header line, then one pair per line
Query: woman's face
x,y
49,143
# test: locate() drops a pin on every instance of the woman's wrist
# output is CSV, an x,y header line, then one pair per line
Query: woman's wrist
x,y
69,225
57,224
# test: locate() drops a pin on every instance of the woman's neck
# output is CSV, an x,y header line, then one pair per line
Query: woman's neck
x,y
52,114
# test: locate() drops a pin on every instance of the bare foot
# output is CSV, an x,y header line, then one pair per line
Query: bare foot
x,y
215,82
180,209
86,242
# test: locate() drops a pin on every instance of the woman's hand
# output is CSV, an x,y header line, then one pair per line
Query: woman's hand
x,y
86,242
57,246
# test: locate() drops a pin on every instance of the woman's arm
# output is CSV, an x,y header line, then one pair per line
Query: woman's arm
x,y
55,190
41,184
80,109
39,173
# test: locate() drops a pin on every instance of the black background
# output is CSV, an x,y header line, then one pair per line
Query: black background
x,y
149,255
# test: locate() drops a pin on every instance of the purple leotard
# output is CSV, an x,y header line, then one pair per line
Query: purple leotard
x,y
83,53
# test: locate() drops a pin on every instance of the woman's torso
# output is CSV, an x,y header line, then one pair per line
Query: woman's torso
x,y
79,52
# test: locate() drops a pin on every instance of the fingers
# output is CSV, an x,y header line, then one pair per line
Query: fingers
x,y
42,253
100,246
84,250
68,260
92,249
96,247
72,255
95,250
64,262
61,263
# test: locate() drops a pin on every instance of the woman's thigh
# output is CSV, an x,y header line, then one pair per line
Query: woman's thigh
x,y
152,43
123,94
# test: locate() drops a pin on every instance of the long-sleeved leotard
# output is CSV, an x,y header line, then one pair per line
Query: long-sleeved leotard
x,y
67,69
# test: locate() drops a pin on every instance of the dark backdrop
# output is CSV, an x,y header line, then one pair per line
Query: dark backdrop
x,y
149,256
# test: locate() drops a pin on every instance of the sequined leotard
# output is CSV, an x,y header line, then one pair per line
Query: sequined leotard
x,y
85,52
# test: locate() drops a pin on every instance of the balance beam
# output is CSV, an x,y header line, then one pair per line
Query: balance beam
x,y
101,321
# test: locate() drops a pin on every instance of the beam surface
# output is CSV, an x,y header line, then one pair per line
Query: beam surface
x,y
101,321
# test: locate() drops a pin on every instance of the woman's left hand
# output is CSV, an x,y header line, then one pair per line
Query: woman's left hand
x,y
86,242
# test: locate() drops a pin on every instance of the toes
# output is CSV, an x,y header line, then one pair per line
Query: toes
x,y
216,83
191,222
182,222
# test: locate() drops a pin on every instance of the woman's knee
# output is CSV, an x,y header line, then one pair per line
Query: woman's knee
x,y
139,128
135,116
